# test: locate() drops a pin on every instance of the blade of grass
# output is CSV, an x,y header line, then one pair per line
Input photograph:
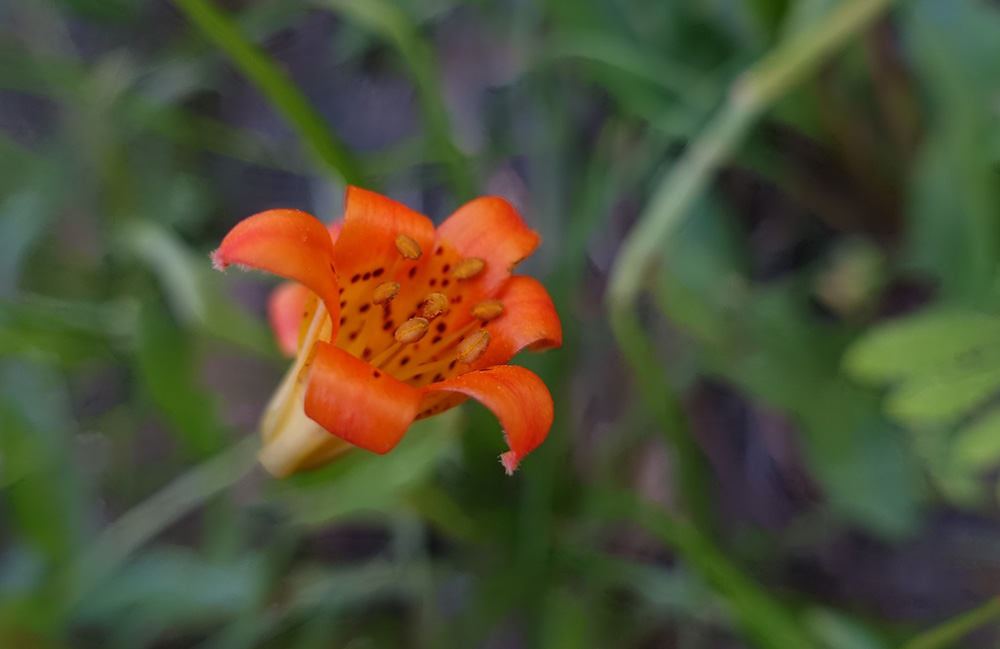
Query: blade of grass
x,y
949,632
66,81
275,85
13,154
144,521
694,92
396,27
763,618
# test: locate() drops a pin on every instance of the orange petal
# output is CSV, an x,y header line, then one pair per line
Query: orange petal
x,y
529,320
491,229
285,310
287,304
516,396
356,402
368,238
334,229
289,243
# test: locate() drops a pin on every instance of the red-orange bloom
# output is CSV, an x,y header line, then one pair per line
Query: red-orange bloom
x,y
391,321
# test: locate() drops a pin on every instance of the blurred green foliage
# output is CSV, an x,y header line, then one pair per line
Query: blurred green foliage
x,y
805,456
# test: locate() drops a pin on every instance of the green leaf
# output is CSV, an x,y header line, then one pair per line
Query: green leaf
x,y
954,193
52,331
25,215
772,349
36,428
837,631
168,366
175,586
859,457
193,290
943,395
363,481
977,446
920,344
567,623
45,502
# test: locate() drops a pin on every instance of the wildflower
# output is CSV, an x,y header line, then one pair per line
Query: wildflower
x,y
391,321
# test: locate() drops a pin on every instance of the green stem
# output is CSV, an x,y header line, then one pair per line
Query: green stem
x,y
275,84
147,519
760,87
668,413
948,633
803,52
685,185
675,195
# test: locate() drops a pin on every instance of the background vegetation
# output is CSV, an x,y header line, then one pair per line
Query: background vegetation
x,y
771,227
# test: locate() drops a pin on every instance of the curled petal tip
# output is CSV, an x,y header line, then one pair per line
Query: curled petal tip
x,y
290,243
218,263
509,460
517,397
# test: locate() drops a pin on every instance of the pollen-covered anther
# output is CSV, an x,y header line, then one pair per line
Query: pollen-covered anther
x,y
473,347
486,310
408,246
385,292
434,305
468,268
411,331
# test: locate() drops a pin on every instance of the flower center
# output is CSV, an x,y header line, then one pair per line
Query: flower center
x,y
418,320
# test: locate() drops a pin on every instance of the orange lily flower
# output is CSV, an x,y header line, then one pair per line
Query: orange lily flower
x,y
392,321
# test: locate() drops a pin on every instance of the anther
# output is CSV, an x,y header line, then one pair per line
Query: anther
x,y
408,246
385,292
487,310
434,305
473,347
468,268
411,331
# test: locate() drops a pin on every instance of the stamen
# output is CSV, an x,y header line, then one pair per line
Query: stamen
x,y
385,292
444,344
468,351
473,347
411,331
468,268
487,310
408,246
434,305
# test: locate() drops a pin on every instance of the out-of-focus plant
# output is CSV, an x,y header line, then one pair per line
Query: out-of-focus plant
x,y
801,173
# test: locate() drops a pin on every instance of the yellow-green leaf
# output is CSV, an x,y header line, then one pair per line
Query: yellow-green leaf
x,y
920,344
